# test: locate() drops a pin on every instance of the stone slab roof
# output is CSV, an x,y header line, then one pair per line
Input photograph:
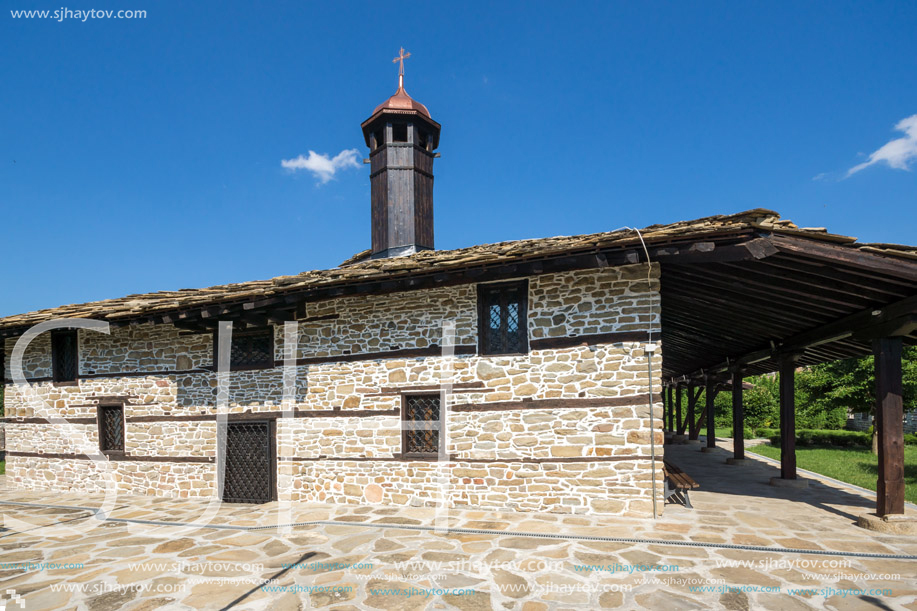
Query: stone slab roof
x,y
360,268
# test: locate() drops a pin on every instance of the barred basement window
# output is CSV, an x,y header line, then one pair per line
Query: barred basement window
x,y
252,349
111,428
64,355
249,448
502,327
420,430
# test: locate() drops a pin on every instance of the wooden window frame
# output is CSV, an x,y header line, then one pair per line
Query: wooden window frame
x,y
404,431
397,133
421,138
112,405
269,364
55,372
523,286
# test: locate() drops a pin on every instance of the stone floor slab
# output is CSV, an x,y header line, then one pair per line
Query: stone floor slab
x,y
369,557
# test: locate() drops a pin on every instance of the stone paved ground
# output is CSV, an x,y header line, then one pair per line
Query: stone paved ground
x,y
214,568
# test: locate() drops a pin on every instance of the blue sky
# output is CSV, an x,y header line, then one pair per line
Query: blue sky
x,y
145,154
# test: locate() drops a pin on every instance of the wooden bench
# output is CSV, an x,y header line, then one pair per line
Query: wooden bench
x,y
677,482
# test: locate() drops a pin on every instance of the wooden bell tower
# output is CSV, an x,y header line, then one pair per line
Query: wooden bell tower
x,y
401,137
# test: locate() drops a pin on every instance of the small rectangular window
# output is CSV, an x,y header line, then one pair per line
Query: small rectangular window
x,y
64,355
502,327
421,138
399,132
421,415
252,349
111,428
379,136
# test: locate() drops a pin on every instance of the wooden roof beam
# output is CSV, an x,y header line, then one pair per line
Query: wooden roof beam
x,y
902,326
790,285
197,326
844,281
709,252
869,321
820,251
781,307
280,316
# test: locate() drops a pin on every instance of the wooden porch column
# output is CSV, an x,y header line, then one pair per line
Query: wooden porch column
x,y
692,401
671,411
788,416
709,396
665,408
787,386
738,420
677,407
889,425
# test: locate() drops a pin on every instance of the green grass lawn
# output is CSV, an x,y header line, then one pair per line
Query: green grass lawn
x,y
724,432
727,432
852,465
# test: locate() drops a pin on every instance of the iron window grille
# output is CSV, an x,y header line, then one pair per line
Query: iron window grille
x,y
249,474
502,326
111,428
64,355
252,349
421,427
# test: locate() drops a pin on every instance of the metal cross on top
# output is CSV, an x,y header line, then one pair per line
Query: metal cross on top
x,y
401,57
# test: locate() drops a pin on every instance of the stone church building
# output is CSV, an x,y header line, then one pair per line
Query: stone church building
x,y
522,375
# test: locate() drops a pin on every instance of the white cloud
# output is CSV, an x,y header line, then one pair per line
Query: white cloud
x,y
323,167
897,153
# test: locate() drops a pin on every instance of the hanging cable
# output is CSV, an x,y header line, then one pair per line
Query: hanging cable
x,y
650,349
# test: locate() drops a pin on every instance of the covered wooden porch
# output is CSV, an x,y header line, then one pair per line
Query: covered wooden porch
x,y
790,299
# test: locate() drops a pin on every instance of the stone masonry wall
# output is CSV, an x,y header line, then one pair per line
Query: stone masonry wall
x,y
53,439
123,477
579,455
611,488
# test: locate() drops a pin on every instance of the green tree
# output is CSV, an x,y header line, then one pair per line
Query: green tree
x,y
824,394
761,403
850,384
830,390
